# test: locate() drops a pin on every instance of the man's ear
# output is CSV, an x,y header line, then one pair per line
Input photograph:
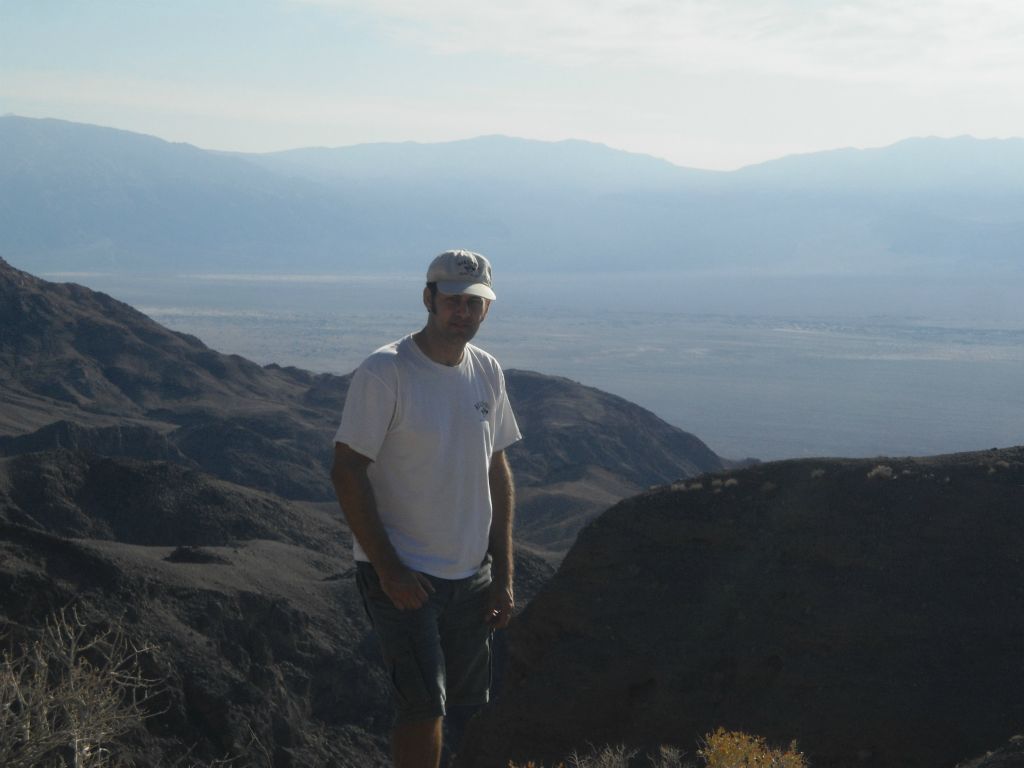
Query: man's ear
x,y
428,301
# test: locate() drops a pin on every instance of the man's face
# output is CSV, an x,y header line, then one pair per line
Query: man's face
x,y
455,317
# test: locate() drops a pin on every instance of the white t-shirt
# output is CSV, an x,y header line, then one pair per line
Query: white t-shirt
x,y
430,430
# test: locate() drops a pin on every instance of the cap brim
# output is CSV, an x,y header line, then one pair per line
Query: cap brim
x,y
469,289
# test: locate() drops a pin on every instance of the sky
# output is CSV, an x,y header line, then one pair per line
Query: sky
x,y
713,84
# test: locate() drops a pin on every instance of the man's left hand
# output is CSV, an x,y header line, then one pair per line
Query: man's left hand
x,y
500,605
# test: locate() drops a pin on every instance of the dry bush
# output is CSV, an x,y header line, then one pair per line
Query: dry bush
x,y
735,749
609,757
669,757
615,757
67,697
721,749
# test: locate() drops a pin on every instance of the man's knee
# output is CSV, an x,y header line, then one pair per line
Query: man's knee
x,y
417,743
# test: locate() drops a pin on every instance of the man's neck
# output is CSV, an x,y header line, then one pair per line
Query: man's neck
x,y
437,349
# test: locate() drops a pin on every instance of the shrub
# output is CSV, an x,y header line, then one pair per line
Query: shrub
x,y
67,697
721,749
735,749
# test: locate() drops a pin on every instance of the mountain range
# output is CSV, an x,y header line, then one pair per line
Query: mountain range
x,y
78,197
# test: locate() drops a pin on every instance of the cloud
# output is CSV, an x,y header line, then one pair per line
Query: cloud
x,y
168,96
859,40
228,101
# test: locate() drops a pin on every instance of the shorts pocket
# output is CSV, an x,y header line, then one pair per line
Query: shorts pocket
x,y
412,694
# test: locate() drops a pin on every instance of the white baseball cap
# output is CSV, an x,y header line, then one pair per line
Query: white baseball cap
x,y
458,272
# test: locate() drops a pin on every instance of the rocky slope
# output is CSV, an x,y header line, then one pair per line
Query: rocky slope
x,y
1011,755
260,634
583,450
152,481
81,370
872,610
260,645
80,495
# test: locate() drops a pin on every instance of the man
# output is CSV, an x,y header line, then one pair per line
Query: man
x,y
421,476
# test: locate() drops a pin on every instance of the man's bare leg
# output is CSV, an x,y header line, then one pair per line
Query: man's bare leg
x,y
417,744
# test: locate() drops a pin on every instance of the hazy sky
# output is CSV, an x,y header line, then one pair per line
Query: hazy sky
x,y
704,83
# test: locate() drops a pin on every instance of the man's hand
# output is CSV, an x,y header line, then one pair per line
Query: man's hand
x,y
500,605
407,589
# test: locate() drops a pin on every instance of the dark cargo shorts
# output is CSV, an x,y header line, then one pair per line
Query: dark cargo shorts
x,y
438,655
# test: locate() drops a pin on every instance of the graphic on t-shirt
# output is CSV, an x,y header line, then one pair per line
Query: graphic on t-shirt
x,y
484,407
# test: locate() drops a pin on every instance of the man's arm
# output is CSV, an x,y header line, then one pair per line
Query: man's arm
x,y
502,599
406,588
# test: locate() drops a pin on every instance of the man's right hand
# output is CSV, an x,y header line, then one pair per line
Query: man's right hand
x,y
407,589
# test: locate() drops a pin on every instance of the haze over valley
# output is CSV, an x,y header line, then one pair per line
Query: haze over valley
x,y
770,385
854,302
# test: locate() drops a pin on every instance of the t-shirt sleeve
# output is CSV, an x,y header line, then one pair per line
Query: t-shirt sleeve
x,y
506,430
368,413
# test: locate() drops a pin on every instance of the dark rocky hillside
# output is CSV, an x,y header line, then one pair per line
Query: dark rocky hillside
x,y
260,633
152,481
872,610
80,495
1011,755
82,371
261,644
124,385
584,449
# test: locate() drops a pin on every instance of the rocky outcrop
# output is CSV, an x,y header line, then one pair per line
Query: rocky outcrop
x,y
872,610
1009,756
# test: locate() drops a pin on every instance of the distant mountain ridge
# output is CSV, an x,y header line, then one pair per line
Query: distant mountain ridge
x,y
503,159
76,197
917,163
